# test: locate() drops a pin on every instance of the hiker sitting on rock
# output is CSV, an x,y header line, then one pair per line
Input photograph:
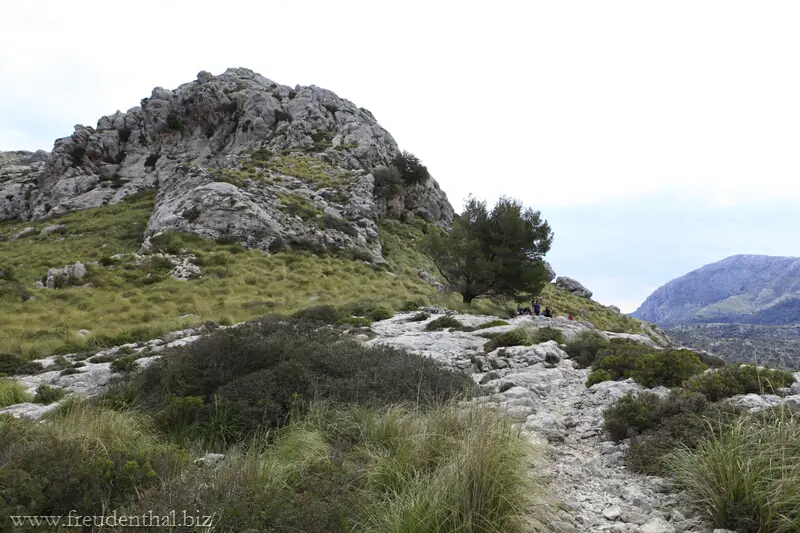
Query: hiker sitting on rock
x,y
547,312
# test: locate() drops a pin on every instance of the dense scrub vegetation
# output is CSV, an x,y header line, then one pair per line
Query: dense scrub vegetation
x,y
737,465
319,432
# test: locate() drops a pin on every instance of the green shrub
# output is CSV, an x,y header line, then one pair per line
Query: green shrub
x,y
491,324
515,337
584,347
46,394
598,376
443,322
10,363
327,314
739,379
745,477
419,317
413,305
256,373
668,368
126,363
648,366
379,313
631,415
12,392
411,168
81,459
548,334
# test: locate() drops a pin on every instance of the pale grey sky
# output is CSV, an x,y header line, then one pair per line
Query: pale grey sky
x,y
655,136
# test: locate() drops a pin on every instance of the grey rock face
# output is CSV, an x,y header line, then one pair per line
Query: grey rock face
x,y
235,156
551,274
571,285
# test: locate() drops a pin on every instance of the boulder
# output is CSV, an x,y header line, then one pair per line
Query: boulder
x,y
24,233
58,278
573,286
52,229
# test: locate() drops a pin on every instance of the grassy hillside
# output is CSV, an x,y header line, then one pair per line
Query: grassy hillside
x,y
564,303
128,302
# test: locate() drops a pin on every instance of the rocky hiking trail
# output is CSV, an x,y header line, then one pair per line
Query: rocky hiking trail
x,y
538,386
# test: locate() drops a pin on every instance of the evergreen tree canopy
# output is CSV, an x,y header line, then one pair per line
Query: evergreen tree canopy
x,y
497,252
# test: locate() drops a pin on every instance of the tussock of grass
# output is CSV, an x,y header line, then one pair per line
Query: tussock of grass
x,y
12,393
360,469
746,476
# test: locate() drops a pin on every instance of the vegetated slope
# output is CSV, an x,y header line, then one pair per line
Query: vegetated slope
x,y
776,346
258,197
741,289
128,297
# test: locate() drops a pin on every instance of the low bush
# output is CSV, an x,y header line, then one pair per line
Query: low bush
x,y
739,379
683,429
411,169
585,346
515,337
631,415
745,476
647,366
12,392
46,394
10,363
491,324
379,313
81,459
598,376
668,368
126,363
326,314
419,317
548,334
256,374
443,322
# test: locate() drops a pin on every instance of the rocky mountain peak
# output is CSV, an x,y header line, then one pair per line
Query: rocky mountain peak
x,y
234,156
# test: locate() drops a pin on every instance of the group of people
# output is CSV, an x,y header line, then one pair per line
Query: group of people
x,y
536,310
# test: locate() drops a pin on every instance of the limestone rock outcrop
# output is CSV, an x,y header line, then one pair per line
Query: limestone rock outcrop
x,y
236,157
573,286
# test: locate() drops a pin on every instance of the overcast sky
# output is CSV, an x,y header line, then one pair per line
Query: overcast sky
x,y
655,137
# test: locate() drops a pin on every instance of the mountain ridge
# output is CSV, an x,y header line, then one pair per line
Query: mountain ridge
x,y
731,290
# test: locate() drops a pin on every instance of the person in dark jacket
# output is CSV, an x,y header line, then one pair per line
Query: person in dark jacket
x,y
547,312
536,308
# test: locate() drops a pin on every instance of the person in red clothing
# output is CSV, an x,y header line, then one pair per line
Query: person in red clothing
x,y
570,317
